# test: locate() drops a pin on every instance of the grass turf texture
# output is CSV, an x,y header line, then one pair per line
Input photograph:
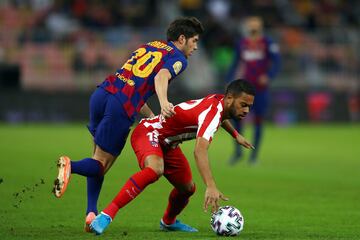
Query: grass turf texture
x,y
306,186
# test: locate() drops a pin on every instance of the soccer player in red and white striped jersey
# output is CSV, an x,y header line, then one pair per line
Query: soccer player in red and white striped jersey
x,y
156,145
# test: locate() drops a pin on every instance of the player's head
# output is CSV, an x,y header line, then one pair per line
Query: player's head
x,y
239,97
185,32
253,26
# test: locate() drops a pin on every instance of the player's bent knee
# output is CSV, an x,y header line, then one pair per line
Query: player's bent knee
x,y
188,189
105,162
156,163
106,159
191,189
159,171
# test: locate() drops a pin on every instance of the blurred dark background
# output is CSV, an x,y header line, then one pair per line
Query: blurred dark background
x,y
53,53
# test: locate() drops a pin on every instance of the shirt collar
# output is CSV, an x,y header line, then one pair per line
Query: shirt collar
x,y
170,43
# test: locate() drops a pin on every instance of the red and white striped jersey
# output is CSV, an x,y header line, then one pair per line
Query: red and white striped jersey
x,y
194,118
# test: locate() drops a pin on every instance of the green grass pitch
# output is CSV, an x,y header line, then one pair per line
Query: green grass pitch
x,y
306,186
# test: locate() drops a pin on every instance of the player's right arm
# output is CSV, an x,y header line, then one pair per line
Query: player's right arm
x,y
212,194
161,87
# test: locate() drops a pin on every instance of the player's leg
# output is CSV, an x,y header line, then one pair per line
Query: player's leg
x,y
92,192
92,201
88,167
259,110
237,148
178,173
152,167
94,185
109,136
94,173
131,189
110,127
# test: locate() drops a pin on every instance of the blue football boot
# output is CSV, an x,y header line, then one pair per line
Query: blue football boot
x,y
177,226
100,223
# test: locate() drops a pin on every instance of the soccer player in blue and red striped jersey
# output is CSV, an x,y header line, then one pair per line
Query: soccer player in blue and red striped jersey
x,y
257,59
116,102
156,144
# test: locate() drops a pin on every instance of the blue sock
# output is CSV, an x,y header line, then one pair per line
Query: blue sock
x,y
93,191
87,167
257,139
238,127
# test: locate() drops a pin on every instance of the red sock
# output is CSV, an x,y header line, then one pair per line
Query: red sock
x,y
177,202
130,190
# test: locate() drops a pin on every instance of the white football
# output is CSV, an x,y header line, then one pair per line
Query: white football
x,y
227,221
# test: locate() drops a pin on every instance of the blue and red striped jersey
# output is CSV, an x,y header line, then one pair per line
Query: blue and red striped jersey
x,y
256,58
133,83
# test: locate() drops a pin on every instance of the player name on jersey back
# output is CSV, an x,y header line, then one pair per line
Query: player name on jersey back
x,y
161,45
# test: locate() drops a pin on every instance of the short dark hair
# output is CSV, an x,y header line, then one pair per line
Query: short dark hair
x,y
187,26
239,86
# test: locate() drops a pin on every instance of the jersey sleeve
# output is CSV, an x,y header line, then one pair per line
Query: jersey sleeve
x,y
176,65
209,121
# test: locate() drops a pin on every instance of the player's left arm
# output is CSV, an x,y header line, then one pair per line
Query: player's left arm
x,y
146,111
212,194
226,124
275,59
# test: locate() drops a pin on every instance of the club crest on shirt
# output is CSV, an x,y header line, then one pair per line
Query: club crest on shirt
x,y
177,67
154,144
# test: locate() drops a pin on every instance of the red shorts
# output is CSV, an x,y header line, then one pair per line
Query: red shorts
x,y
176,166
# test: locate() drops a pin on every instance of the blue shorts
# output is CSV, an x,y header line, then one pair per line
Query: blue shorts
x,y
109,124
261,102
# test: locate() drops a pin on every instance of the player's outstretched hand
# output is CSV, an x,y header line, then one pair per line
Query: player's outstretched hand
x,y
212,197
242,141
167,110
